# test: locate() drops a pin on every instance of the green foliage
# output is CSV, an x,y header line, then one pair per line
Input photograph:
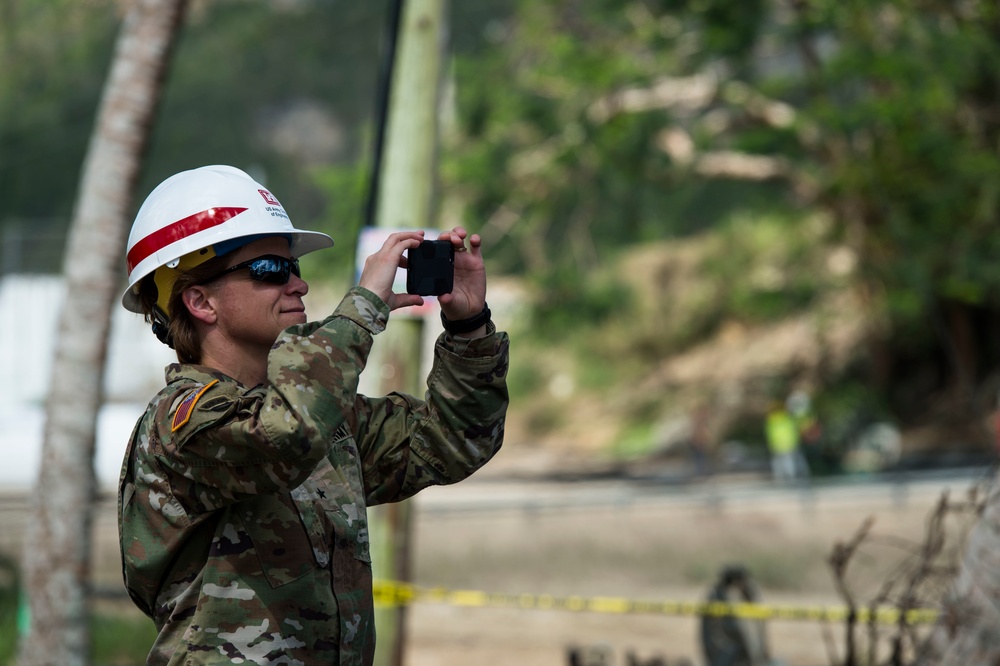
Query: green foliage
x,y
346,188
525,379
767,270
117,637
849,405
880,113
241,74
583,129
121,638
49,90
567,302
636,441
917,83
577,185
242,71
9,587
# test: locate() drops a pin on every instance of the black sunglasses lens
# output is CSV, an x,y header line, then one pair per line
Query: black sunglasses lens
x,y
270,268
274,270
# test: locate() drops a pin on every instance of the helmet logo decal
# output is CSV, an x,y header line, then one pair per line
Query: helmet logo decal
x,y
183,228
269,198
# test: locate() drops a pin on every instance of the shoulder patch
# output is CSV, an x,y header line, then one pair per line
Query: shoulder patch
x,y
186,408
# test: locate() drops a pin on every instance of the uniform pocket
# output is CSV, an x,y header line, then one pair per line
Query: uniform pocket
x,y
280,535
339,493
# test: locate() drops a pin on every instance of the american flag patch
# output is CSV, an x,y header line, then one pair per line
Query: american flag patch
x,y
186,408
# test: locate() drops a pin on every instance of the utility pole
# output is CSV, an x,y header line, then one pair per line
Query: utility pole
x,y
407,200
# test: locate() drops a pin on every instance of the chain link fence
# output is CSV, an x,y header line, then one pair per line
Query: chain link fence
x,y
32,246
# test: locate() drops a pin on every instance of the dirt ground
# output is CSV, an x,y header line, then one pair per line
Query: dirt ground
x,y
645,543
634,540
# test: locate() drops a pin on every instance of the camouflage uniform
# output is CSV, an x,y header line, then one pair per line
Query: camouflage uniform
x,y
242,511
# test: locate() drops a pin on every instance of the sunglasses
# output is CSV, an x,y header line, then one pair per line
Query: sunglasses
x,y
269,268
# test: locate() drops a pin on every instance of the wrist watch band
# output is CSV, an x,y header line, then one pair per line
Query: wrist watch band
x,y
468,324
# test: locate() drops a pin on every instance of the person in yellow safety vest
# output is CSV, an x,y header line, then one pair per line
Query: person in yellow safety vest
x,y
782,431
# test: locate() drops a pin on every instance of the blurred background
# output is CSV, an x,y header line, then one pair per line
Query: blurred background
x,y
700,217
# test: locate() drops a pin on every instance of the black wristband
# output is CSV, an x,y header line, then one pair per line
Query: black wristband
x,y
466,325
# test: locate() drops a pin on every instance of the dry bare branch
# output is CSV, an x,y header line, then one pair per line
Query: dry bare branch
x,y
771,112
741,166
920,581
689,93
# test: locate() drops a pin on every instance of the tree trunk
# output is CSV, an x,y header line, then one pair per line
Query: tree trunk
x,y
969,632
964,356
57,550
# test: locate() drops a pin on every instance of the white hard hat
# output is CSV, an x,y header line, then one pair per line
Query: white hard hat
x,y
211,206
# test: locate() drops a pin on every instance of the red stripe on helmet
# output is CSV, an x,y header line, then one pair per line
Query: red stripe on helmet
x,y
192,224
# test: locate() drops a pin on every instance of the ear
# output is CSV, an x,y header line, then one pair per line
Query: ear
x,y
199,303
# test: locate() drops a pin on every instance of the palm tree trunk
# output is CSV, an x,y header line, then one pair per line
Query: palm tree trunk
x,y
57,550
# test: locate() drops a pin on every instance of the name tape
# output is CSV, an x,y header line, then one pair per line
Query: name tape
x,y
392,594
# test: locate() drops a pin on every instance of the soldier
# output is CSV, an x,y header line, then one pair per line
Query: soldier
x,y
243,493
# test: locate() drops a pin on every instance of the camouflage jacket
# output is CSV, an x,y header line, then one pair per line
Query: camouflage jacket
x,y
242,511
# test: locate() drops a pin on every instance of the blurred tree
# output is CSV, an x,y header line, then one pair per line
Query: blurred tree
x,y
968,633
53,54
282,89
902,100
622,122
592,144
882,112
617,122
57,550
279,89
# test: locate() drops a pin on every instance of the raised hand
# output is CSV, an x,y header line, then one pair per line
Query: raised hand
x,y
468,297
379,271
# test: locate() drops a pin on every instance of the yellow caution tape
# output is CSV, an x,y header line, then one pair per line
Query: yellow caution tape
x,y
390,594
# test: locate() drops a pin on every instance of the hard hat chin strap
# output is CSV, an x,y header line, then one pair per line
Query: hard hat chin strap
x,y
161,327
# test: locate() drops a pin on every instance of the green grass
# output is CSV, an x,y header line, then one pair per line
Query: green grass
x,y
9,585
8,638
120,640
635,441
117,638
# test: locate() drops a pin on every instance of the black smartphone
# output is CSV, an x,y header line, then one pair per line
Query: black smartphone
x,y
430,268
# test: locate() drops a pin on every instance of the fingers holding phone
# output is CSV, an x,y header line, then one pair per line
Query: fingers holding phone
x,y
467,297
380,268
